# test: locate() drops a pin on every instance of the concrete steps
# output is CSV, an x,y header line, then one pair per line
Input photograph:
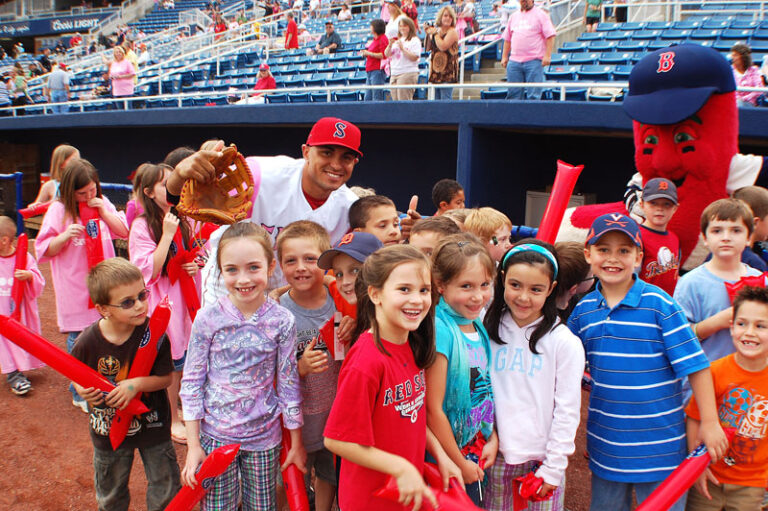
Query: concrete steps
x,y
490,72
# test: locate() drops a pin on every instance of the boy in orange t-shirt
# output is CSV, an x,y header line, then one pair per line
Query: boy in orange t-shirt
x,y
739,479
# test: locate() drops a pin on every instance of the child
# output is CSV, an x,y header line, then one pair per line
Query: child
x,y
741,384
62,241
536,371
377,215
574,277
14,360
459,398
152,244
756,198
345,261
458,215
493,228
447,194
299,247
377,424
374,53
109,346
240,376
726,225
661,248
639,346
427,233
59,159
132,207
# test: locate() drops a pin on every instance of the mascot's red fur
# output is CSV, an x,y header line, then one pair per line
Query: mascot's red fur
x,y
685,123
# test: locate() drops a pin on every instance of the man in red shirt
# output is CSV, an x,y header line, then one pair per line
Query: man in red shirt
x,y
291,33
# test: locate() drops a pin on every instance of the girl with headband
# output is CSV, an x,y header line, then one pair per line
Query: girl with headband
x,y
536,370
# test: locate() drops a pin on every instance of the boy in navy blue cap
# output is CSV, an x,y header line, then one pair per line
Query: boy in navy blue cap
x,y
345,260
661,248
639,346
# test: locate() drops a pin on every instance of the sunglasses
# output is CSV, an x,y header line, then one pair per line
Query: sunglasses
x,y
128,303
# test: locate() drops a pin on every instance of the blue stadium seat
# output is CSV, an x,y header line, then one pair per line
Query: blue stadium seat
x,y
675,34
583,58
600,46
276,98
298,97
332,82
614,58
686,24
560,73
761,34
558,58
646,35
742,24
658,25
716,24
573,46
737,34
657,45
632,25
606,27
724,44
493,94
346,96
621,73
595,73
620,35
575,94
631,45
314,82
318,97
703,33
591,36
759,46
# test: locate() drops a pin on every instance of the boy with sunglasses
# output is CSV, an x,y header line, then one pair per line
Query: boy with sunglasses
x,y
117,289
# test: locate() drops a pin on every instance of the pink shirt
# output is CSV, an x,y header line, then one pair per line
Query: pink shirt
x,y
69,267
121,86
13,358
750,78
527,33
141,246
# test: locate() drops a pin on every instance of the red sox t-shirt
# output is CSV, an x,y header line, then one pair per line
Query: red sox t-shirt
x,y
379,403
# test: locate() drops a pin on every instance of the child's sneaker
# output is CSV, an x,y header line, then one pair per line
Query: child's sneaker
x,y
20,385
81,404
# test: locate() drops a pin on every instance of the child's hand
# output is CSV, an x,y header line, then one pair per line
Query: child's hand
x,y
412,488
346,327
195,456
313,361
296,455
96,203
74,230
488,454
190,268
22,275
122,394
92,395
546,489
712,435
449,470
701,483
170,224
471,472
406,224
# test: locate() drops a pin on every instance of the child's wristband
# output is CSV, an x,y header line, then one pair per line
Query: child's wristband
x,y
696,330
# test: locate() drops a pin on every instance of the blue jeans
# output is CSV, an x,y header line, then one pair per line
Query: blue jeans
x,y
376,77
71,338
112,469
59,96
618,496
444,94
524,72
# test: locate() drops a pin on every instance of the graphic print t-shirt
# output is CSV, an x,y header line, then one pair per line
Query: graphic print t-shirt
x,y
113,363
379,402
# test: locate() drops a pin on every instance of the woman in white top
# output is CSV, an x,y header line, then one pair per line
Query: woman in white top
x,y
344,14
404,52
395,15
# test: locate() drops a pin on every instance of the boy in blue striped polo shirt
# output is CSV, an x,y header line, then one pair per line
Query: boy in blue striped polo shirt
x,y
639,346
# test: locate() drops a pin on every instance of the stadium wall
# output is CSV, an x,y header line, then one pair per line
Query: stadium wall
x,y
497,149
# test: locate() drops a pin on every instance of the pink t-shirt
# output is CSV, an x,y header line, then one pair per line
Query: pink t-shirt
x,y
141,246
121,86
69,267
13,358
527,33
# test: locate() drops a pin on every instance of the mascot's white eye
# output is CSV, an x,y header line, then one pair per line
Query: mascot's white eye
x,y
651,139
683,137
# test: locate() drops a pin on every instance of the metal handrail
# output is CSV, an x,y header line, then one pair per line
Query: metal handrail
x,y
697,7
463,56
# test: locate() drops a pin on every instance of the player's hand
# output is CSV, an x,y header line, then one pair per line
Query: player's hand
x,y
22,275
198,166
412,488
346,328
406,224
195,456
122,394
701,483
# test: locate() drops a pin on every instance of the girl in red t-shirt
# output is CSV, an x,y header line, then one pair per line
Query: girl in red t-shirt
x,y
378,420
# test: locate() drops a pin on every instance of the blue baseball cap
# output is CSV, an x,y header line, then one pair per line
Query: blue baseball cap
x,y
660,188
614,222
671,84
357,245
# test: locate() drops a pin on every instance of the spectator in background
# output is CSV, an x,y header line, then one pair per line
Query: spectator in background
x,y
592,14
528,43
2,53
373,54
57,88
60,48
18,88
344,14
403,52
93,47
131,57
18,49
298,8
242,19
219,25
304,36
5,98
75,40
465,25
265,80
121,74
329,43
45,61
395,15
291,32
443,42
143,55
34,69
410,10
746,74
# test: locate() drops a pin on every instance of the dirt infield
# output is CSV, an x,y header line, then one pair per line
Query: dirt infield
x,y
46,453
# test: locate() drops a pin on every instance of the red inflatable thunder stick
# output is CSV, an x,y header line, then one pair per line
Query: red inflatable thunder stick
x,y
526,489
40,209
213,466
186,282
733,288
17,290
565,180
93,247
455,499
293,479
141,366
60,361
681,478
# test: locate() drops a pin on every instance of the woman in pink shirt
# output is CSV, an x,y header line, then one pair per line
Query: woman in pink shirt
x,y
746,74
62,241
121,73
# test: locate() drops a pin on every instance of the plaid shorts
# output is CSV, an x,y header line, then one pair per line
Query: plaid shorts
x,y
251,476
498,496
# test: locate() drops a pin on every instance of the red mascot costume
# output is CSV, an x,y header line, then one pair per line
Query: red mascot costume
x,y
685,122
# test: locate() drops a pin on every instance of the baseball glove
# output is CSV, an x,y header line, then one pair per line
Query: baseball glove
x,y
226,200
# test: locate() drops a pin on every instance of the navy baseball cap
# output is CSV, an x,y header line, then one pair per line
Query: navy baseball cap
x,y
357,245
671,84
614,222
660,188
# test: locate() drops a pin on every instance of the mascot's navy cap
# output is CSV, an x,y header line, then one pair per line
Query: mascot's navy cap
x,y
671,84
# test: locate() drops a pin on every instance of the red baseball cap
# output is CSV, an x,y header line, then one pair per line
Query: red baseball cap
x,y
335,131
264,66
